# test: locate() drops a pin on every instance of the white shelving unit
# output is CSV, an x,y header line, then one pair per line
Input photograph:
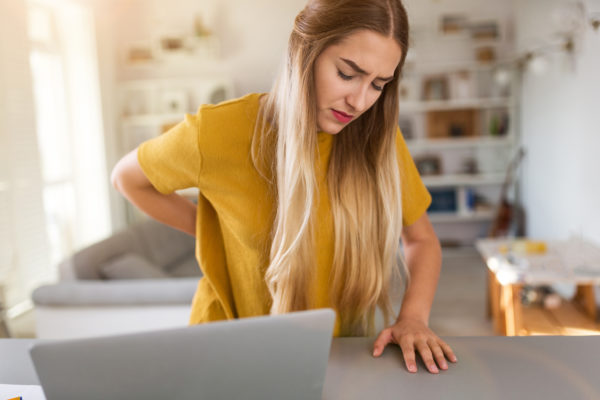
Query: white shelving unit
x,y
471,192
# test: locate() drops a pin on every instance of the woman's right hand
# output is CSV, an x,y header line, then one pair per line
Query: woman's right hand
x,y
171,209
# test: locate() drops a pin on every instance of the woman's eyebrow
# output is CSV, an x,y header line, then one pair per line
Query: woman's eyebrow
x,y
361,71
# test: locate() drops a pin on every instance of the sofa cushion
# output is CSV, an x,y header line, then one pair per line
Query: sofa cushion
x,y
186,267
130,266
86,262
163,245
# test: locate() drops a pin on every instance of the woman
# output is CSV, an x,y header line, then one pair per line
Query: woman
x,y
306,192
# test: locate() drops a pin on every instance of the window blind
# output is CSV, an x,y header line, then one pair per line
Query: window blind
x,y
23,241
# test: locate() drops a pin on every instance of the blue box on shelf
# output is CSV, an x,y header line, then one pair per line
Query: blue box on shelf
x,y
443,200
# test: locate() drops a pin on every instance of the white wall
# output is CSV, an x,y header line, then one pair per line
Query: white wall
x,y
560,130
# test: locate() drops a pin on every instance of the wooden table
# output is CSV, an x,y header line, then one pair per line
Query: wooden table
x,y
574,262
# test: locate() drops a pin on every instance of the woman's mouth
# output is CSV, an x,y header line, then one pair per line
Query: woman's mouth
x,y
342,117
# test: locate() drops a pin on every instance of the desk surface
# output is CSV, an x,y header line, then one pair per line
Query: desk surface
x,y
548,367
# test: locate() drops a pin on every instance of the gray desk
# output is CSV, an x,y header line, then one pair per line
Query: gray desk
x,y
488,368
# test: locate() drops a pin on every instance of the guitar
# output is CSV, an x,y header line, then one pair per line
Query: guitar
x,y
510,218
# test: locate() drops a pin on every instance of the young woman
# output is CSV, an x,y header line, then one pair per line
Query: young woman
x,y
307,191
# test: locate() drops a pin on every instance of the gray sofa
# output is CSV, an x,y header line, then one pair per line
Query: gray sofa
x,y
142,278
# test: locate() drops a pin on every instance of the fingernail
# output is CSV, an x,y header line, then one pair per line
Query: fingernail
x,y
454,359
412,368
433,368
444,365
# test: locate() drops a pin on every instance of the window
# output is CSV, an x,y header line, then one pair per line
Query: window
x,y
52,125
69,125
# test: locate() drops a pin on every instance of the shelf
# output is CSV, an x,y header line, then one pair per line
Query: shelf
x,y
454,104
457,143
421,69
152,119
463,180
194,64
474,216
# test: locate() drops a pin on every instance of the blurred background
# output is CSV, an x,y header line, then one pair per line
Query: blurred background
x,y
82,82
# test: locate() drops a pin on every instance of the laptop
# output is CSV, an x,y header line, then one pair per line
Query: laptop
x,y
268,357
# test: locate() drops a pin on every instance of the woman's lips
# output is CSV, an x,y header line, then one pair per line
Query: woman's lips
x,y
342,117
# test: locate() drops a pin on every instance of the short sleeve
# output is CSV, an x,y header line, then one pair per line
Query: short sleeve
x,y
172,160
415,196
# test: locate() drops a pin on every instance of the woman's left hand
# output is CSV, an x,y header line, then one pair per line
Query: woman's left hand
x,y
411,335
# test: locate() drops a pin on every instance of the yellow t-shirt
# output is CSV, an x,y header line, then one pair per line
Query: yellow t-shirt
x,y
211,151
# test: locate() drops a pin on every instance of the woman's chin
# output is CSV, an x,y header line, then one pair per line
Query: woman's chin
x,y
332,128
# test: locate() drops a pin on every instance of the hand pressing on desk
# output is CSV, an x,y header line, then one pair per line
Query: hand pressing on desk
x,y
411,335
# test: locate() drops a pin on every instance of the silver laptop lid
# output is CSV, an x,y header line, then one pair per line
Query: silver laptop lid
x,y
271,357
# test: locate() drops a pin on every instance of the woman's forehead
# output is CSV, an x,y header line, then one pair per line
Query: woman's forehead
x,y
373,52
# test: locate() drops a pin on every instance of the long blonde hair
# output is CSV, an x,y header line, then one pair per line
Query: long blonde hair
x,y
363,176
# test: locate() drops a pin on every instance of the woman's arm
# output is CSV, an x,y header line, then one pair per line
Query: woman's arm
x,y
173,210
423,256
410,331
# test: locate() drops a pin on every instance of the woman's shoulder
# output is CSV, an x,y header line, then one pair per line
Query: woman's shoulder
x,y
225,130
239,111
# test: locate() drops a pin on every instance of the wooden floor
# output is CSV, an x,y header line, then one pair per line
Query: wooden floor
x,y
459,307
568,320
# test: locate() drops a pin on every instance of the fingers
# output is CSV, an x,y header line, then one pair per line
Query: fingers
x,y
427,356
433,352
448,351
408,351
382,340
438,354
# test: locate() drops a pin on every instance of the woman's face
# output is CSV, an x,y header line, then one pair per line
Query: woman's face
x,y
350,75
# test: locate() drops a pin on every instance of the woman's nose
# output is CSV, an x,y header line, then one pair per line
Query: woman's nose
x,y
357,99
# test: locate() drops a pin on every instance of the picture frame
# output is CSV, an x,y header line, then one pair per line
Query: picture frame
x,y
428,164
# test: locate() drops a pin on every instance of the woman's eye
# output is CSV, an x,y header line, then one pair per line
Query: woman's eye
x,y
344,76
348,77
